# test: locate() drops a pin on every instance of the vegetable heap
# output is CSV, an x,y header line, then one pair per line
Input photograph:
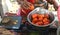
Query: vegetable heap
x,y
40,19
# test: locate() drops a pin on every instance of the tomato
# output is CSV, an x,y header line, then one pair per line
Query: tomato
x,y
40,15
35,20
34,16
39,23
46,16
45,20
46,23
40,19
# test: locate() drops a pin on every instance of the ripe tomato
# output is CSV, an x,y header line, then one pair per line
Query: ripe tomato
x,y
41,15
35,20
40,19
46,16
39,23
45,20
34,16
46,23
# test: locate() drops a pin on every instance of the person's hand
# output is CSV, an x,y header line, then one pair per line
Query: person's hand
x,y
27,5
20,1
54,3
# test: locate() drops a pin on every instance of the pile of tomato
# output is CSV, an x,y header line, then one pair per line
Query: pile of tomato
x,y
40,19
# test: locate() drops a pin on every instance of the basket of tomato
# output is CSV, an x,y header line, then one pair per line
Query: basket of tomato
x,y
40,17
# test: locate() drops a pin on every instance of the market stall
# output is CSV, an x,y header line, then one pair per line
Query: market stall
x,y
29,17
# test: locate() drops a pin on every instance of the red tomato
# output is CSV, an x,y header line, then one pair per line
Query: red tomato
x,y
41,15
39,23
40,19
46,23
46,16
34,16
35,20
45,20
